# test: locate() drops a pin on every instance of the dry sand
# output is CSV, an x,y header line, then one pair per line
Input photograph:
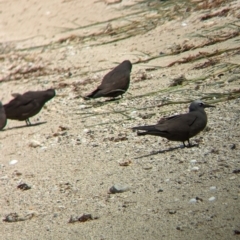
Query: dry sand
x,y
73,158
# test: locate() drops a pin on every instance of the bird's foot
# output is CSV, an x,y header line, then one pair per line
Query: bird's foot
x,y
189,145
112,99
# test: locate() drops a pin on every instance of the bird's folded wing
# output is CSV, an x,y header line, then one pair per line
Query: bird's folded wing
x,y
187,119
27,109
178,123
114,78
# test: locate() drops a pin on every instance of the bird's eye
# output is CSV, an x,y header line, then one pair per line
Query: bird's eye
x,y
200,104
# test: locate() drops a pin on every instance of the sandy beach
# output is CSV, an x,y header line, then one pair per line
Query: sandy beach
x,y
77,150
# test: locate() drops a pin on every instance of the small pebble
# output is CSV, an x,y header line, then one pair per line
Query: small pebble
x,y
179,228
12,162
4,177
211,199
83,140
193,200
94,144
195,169
199,199
34,144
82,106
213,188
233,78
232,178
237,232
233,146
172,211
86,130
23,186
119,188
17,173
133,113
193,161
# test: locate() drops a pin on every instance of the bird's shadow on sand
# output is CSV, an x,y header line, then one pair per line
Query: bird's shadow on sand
x,y
108,101
165,151
95,103
24,126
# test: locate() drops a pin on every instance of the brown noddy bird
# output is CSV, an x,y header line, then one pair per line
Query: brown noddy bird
x,y
114,83
26,105
3,118
180,127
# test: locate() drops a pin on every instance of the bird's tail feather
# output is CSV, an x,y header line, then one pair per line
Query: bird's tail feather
x,y
145,128
148,130
91,95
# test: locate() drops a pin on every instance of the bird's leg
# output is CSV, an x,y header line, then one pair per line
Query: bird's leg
x,y
28,122
184,144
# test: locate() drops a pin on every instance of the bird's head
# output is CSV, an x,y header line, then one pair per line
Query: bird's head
x,y
198,105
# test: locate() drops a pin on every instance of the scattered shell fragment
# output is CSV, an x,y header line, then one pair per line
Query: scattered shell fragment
x,y
12,162
86,130
133,114
82,106
211,199
4,177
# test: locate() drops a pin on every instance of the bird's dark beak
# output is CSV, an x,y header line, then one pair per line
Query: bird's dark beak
x,y
208,106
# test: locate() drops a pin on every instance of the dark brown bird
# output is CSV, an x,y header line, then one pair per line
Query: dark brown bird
x,y
26,105
179,127
114,83
3,119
